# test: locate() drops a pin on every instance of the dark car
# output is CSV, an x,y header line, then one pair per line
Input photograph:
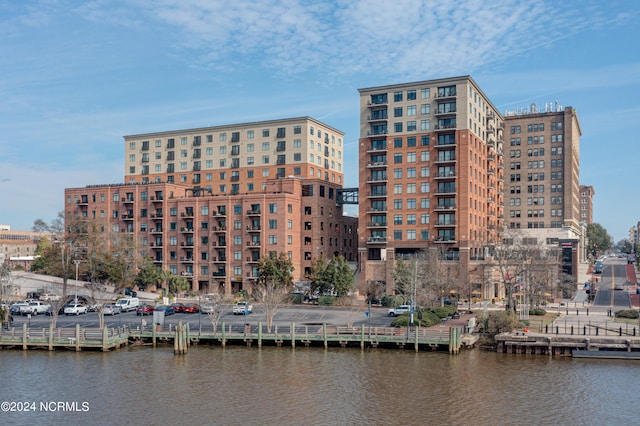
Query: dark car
x,y
129,292
191,308
167,309
144,310
178,307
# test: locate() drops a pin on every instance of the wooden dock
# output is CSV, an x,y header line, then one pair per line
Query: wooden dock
x,y
564,345
181,337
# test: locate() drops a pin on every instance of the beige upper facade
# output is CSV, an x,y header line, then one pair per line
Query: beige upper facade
x,y
237,158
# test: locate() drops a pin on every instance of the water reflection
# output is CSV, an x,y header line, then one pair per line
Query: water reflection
x,y
239,385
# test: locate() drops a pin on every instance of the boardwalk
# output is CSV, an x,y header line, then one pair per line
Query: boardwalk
x,y
442,338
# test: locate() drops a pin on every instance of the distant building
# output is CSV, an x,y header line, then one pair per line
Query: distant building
x,y
19,247
208,203
586,203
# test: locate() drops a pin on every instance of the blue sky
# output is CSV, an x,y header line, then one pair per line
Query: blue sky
x,y
76,76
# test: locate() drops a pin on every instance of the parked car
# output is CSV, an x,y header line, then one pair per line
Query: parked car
x,y
49,297
110,309
402,309
167,309
75,309
144,310
34,308
178,307
208,308
15,308
128,304
191,308
129,292
242,308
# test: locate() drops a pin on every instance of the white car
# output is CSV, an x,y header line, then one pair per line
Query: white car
x,y
110,309
75,309
242,308
34,308
402,309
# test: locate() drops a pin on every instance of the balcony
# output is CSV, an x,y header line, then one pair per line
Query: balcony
x,y
445,207
128,200
377,179
376,210
186,230
491,171
220,213
254,212
378,115
253,243
445,239
377,165
446,223
156,216
377,194
377,240
381,148
83,201
127,217
219,229
219,259
186,274
446,191
252,260
221,243
253,228
186,244
222,273
155,230
376,225
186,214
444,113
157,199
446,175
186,260
445,127
445,159
446,94
377,132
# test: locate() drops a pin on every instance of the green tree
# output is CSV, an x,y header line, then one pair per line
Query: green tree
x,y
275,282
343,278
599,241
148,274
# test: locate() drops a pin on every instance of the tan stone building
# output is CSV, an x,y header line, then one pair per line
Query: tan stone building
x,y
542,169
431,174
207,203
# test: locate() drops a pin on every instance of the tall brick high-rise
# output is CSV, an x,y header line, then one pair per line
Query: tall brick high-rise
x,y
431,174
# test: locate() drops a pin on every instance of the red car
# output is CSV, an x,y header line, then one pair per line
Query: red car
x,y
178,307
191,308
145,310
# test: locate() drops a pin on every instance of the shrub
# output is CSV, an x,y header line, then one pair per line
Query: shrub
x,y
537,311
326,300
428,319
387,301
499,322
444,311
295,298
627,313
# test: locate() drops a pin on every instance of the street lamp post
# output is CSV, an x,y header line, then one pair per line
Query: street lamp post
x,y
77,262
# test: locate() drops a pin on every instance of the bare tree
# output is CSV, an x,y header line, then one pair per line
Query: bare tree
x,y
218,305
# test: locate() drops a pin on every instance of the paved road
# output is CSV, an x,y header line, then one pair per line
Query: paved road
x,y
612,287
300,315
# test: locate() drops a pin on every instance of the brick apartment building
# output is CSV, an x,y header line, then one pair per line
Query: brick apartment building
x,y
431,174
208,203
586,203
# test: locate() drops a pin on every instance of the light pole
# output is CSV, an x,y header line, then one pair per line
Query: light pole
x,y
77,262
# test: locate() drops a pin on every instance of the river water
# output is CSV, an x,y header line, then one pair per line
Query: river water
x,y
312,386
